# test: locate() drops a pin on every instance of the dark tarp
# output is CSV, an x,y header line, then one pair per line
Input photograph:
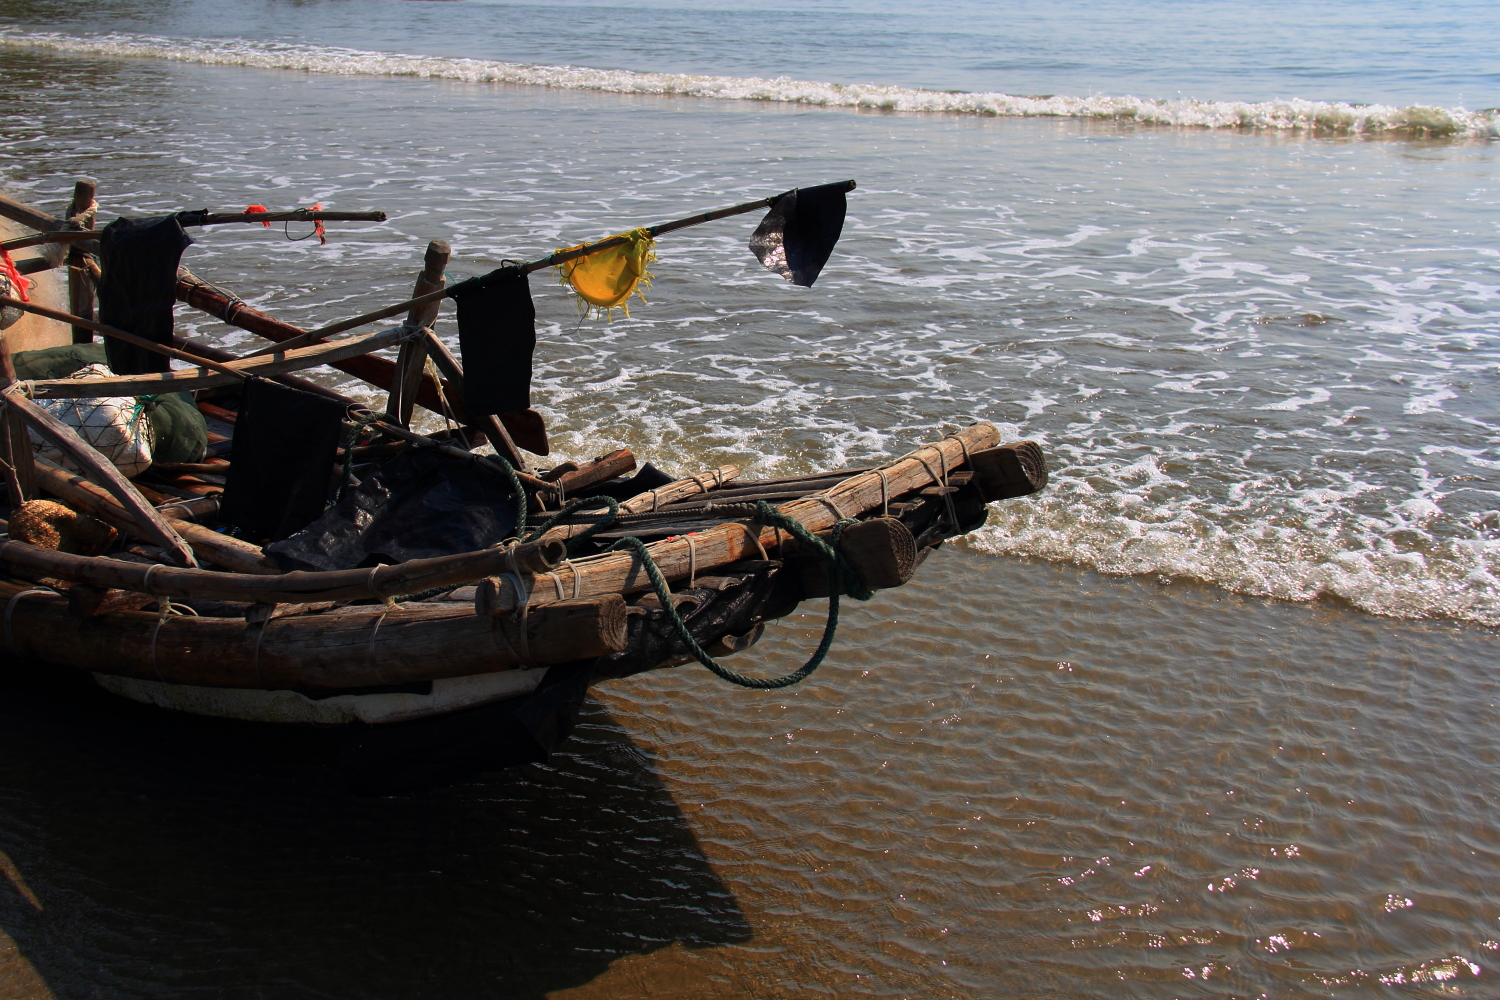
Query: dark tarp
x,y
421,503
496,336
138,259
797,235
285,441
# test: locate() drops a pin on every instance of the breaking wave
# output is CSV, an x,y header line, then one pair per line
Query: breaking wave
x,y
1314,117
1455,578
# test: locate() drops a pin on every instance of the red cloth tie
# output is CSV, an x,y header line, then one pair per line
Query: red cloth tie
x,y
17,281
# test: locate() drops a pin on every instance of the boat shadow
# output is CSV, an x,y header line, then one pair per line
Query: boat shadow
x,y
153,854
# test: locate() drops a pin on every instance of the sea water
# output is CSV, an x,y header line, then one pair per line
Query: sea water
x,y
1212,715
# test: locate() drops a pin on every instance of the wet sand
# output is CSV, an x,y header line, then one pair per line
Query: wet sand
x,y
1008,780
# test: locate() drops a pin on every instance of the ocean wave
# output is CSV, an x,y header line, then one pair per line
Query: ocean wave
x,y
1297,116
1380,572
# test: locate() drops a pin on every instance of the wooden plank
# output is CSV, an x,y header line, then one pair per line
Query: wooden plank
x,y
20,472
203,378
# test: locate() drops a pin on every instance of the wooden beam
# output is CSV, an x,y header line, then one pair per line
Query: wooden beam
x,y
411,364
80,286
349,648
31,218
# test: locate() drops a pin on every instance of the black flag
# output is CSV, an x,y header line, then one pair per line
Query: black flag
x,y
138,289
799,232
496,336
284,445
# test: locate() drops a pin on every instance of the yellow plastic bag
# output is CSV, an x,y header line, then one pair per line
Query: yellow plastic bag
x,y
606,280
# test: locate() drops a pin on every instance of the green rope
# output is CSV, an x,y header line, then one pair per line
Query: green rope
x,y
351,437
837,568
577,541
518,490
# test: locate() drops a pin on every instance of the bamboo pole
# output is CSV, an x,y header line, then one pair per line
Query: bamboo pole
x,y
295,215
198,349
109,331
149,524
680,490
551,260
380,582
183,379
619,572
22,242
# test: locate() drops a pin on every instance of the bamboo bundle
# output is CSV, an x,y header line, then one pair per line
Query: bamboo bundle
x,y
622,573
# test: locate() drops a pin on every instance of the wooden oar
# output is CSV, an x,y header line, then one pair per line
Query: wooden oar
x,y
551,260
129,338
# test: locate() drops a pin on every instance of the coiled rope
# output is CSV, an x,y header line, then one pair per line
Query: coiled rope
x,y
839,571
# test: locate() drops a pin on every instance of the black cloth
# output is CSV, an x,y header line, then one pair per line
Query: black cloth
x,y
496,336
421,503
285,441
797,235
138,259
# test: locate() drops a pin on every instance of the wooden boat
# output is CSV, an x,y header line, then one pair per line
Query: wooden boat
x,y
615,574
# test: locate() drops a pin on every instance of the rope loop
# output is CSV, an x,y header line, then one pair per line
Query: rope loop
x,y
568,508
351,438
518,490
838,569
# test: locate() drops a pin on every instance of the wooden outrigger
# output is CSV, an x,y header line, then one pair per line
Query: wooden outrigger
x,y
607,580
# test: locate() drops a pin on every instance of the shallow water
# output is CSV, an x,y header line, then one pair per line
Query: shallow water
x,y
1261,365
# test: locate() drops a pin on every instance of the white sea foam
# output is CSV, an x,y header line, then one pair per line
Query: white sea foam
x,y
1292,115
1373,570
